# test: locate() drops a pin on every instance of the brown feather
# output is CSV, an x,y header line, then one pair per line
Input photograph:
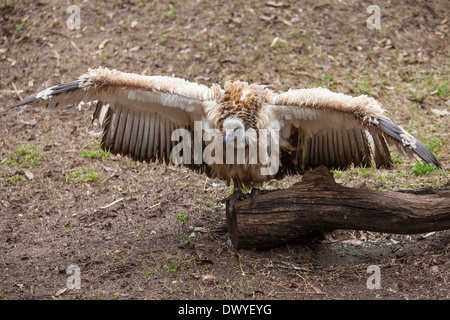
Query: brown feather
x,y
331,149
118,136
162,135
112,130
153,136
381,154
135,133
145,139
127,133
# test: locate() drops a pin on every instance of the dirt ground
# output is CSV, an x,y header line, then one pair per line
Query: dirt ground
x,y
149,231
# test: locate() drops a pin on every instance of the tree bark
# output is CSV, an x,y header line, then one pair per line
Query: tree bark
x,y
318,204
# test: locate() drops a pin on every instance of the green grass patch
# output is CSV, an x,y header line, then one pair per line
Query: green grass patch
x,y
96,153
82,176
25,157
364,87
14,178
183,218
422,169
435,144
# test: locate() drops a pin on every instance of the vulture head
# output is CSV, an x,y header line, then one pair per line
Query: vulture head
x,y
234,132
310,127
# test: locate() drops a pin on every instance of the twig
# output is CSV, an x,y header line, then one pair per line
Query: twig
x,y
298,292
112,203
57,58
16,91
155,205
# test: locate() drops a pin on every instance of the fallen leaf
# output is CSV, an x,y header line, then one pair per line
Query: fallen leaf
x,y
286,22
30,123
274,42
196,275
60,291
108,169
353,241
208,277
277,4
103,43
317,290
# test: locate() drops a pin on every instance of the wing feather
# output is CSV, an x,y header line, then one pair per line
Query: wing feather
x,y
354,147
169,130
339,130
107,131
118,137
147,137
323,151
134,134
363,147
138,112
162,134
340,144
135,111
110,134
127,133
330,148
153,137
136,155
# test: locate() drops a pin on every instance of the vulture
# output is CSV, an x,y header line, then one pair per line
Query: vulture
x,y
243,133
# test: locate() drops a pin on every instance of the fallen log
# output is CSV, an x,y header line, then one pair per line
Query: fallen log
x,y
318,204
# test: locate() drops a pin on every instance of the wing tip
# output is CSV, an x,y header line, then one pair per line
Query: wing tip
x,y
417,147
47,94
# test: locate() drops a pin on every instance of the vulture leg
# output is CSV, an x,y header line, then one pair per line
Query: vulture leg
x,y
236,195
256,191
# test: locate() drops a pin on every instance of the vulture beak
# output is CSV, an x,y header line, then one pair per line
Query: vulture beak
x,y
233,135
229,136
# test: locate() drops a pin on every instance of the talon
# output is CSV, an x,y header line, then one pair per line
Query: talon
x,y
236,195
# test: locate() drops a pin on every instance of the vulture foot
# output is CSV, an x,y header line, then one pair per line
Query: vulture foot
x,y
235,196
255,193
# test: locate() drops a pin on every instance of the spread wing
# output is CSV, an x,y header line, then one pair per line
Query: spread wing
x,y
319,127
138,113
